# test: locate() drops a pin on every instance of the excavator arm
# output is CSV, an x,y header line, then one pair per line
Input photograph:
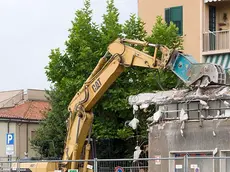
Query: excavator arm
x,y
121,54
102,77
108,70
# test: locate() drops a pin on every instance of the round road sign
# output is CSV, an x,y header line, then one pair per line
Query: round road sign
x,y
119,169
197,169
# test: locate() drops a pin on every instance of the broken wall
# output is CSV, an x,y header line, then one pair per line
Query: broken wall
x,y
204,133
165,139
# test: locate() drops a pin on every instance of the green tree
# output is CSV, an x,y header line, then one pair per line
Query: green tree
x,y
110,27
167,35
117,107
67,72
135,80
49,138
134,28
108,116
113,109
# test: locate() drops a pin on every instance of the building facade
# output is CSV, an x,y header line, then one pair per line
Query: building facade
x,y
187,124
20,114
204,24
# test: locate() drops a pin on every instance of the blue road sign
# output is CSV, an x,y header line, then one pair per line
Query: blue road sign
x,y
10,139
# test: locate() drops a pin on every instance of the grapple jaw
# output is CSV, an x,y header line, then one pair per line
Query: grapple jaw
x,y
209,74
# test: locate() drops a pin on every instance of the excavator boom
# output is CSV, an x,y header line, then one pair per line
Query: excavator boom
x,y
108,69
102,77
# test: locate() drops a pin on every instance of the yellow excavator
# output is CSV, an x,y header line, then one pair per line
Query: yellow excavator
x,y
121,54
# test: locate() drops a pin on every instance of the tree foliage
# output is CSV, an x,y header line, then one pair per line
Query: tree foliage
x,y
134,28
49,138
110,27
68,70
165,34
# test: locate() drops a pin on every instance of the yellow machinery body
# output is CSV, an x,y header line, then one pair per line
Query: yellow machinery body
x,y
119,56
35,167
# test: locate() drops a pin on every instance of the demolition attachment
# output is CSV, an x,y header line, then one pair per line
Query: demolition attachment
x,y
196,74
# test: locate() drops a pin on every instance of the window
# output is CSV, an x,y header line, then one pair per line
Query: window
x,y
225,162
175,15
33,134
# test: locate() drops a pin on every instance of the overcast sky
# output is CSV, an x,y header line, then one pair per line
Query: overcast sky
x,y
31,28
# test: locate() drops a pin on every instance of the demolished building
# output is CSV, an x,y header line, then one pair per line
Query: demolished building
x,y
188,122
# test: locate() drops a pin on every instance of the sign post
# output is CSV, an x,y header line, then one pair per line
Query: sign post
x,y
9,143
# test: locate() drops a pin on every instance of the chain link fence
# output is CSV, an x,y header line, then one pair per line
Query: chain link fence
x,y
134,165
168,164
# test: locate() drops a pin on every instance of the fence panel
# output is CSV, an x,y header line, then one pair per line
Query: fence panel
x,y
5,163
217,40
172,164
141,165
201,164
128,165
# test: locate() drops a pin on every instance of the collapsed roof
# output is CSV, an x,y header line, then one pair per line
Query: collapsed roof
x,y
143,100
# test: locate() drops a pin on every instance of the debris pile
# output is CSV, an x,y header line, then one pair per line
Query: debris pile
x,y
143,100
164,100
133,123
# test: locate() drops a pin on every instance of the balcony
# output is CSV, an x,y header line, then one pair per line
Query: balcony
x,y
216,42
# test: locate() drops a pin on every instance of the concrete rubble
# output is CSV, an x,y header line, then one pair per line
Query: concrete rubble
x,y
143,100
161,99
133,123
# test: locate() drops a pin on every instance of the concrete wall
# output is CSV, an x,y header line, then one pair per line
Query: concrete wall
x,y
4,126
22,132
14,97
168,141
192,20
205,130
33,94
31,131
221,7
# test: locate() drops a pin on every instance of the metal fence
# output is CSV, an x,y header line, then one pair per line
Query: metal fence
x,y
168,164
5,163
217,40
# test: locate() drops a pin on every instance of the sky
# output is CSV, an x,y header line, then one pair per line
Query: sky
x,y
31,28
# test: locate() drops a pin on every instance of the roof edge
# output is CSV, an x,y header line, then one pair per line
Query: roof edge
x,y
11,90
20,120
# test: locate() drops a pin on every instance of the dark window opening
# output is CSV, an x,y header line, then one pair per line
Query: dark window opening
x,y
175,15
